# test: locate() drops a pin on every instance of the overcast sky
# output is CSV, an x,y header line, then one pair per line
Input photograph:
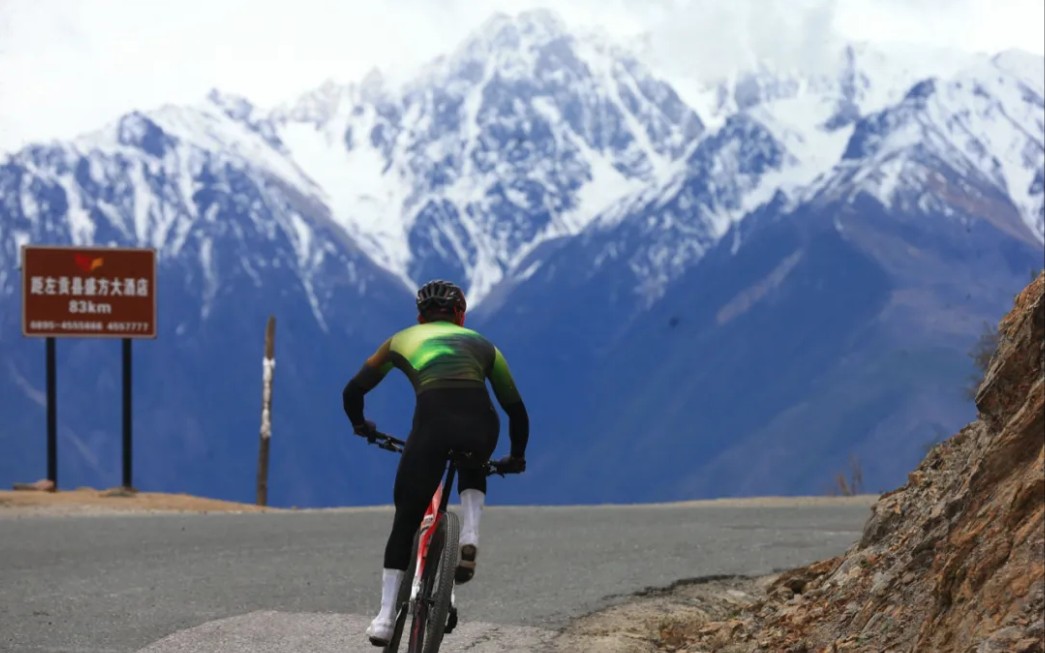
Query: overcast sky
x,y
69,66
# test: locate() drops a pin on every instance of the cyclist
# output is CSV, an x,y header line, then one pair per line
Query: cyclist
x,y
447,365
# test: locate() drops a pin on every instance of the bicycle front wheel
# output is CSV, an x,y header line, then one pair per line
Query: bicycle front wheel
x,y
421,605
442,586
403,601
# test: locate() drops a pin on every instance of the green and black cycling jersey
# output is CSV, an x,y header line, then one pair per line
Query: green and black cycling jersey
x,y
440,355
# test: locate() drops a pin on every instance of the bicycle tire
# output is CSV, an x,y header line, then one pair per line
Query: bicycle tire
x,y
443,581
403,602
420,605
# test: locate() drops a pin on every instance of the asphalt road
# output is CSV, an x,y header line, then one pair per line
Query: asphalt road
x,y
309,581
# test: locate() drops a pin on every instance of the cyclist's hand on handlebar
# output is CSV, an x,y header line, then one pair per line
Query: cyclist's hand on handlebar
x,y
511,465
366,430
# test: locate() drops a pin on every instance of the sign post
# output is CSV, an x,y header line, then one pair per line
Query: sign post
x,y
127,440
52,417
88,292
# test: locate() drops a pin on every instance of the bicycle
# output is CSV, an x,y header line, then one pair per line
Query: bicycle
x,y
427,589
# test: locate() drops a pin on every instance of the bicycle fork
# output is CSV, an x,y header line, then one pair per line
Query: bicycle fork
x,y
424,541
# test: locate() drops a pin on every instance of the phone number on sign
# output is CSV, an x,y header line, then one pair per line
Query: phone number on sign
x,y
128,327
65,325
76,325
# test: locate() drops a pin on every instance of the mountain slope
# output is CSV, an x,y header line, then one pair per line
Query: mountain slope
x,y
830,322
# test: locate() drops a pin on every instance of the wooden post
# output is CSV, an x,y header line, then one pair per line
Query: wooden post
x,y
268,369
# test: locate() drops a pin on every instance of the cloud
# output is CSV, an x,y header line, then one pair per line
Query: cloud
x,y
974,25
710,39
697,39
68,66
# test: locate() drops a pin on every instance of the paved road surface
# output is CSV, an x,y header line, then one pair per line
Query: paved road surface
x,y
309,581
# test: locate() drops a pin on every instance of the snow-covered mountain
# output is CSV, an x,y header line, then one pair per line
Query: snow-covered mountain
x,y
580,200
987,123
784,146
521,135
775,307
733,331
527,134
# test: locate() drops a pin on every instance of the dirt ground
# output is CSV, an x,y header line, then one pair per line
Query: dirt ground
x,y
663,619
89,501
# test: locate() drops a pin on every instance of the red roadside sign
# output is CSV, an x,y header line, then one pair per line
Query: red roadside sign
x,y
88,292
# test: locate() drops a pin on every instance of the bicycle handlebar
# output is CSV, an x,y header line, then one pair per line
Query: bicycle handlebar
x,y
395,445
386,442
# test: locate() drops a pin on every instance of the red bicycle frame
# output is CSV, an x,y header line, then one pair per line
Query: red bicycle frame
x,y
429,524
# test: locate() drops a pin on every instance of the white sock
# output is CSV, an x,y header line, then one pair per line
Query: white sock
x,y
390,580
471,510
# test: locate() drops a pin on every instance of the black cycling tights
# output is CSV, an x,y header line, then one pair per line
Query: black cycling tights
x,y
462,419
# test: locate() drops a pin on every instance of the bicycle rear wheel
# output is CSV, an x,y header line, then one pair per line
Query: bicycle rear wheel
x,y
443,580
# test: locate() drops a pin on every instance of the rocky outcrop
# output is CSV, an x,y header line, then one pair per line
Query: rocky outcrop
x,y
953,561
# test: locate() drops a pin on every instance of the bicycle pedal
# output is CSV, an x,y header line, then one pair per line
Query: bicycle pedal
x,y
451,621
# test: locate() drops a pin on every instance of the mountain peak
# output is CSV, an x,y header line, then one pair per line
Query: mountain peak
x,y
533,25
373,84
1028,68
234,106
502,35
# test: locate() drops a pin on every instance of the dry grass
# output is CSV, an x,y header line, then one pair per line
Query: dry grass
x,y
91,501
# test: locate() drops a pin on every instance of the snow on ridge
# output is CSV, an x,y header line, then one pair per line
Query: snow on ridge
x,y
980,118
879,73
364,194
318,106
375,199
797,108
501,34
998,128
891,68
816,150
214,131
168,146
206,127
797,124
1028,68
152,164
604,61
798,112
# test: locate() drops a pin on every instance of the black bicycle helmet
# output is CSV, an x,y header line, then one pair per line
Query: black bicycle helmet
x,y
440,295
